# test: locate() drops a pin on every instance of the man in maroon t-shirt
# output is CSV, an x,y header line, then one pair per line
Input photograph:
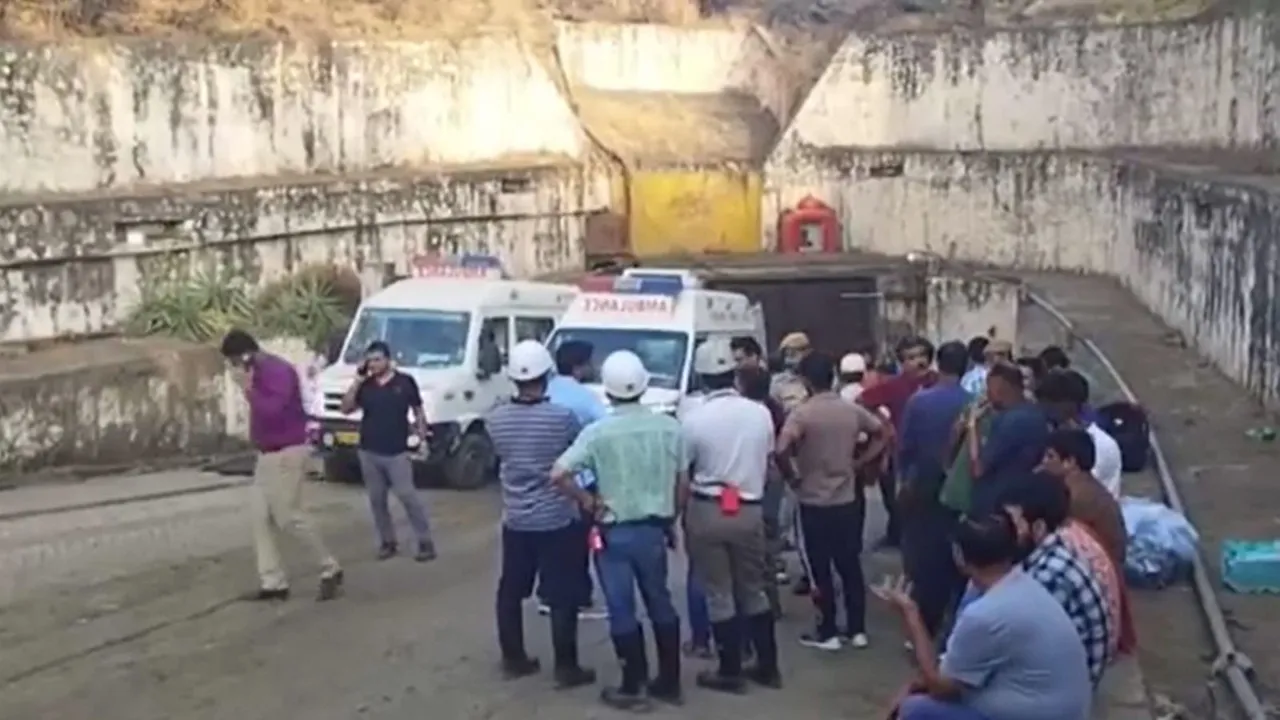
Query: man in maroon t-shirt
x,y
889,397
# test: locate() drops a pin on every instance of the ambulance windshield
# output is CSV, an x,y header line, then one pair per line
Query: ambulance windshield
x,y
663,352
417,338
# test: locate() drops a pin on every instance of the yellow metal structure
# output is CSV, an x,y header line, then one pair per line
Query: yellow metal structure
x,y
712,210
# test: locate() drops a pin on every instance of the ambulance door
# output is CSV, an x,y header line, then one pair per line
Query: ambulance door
x,y
495,330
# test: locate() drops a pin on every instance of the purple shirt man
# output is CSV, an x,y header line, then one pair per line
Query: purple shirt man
x,y
277,419
278,427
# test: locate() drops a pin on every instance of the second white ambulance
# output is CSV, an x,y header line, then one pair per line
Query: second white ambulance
x,y
660,315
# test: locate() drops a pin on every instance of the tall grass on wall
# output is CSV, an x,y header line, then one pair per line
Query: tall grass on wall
x,y
309,305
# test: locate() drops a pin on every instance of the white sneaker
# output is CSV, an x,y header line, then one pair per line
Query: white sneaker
x,y
812,640
859,641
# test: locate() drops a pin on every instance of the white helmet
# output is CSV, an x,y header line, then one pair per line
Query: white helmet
x,y
623,375
529,360
853,363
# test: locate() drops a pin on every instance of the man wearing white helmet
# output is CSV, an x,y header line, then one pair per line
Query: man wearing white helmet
x,y
541,538
640,464
730,441
853,368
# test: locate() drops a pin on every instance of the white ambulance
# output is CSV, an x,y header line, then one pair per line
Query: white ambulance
x,y
661,315
450,325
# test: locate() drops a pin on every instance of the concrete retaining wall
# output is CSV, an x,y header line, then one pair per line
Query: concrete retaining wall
x,y
645,58
111,402
75,266
111,116
1189,85
1197,245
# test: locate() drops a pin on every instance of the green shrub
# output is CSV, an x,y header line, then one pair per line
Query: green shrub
x,y
198,309
309,304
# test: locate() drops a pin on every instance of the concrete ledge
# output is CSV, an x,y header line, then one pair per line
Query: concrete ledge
x,y
111,402
1123,693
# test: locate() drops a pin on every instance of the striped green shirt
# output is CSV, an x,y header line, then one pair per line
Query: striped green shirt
x,y
635,455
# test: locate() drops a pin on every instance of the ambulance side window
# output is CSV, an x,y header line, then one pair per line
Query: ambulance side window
x,y
534,328
496,331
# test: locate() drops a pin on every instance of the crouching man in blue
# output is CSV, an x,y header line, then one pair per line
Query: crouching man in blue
x,y
541,536
640,463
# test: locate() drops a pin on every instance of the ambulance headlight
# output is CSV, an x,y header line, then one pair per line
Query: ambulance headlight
x,y
327,439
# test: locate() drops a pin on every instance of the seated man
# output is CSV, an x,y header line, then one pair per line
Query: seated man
x,y
1013,653
1039,507
1095,527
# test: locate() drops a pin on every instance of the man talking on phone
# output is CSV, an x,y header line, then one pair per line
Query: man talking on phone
x,y
386,397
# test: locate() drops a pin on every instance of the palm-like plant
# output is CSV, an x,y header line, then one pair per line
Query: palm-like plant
x,y
306,305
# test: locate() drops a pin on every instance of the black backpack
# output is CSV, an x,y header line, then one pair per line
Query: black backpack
x,y
1127,423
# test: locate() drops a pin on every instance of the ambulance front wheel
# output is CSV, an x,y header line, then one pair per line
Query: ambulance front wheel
x,y
472,463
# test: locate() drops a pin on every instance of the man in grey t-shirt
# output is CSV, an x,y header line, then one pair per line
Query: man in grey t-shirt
x,y
1013,654
1016,656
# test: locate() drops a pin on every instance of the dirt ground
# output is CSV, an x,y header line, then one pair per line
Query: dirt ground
x,y
1227,482
132,612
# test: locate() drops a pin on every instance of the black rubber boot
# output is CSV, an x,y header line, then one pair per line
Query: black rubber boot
x,y
516,663
564,641
765,672
631,694
666,687
728,677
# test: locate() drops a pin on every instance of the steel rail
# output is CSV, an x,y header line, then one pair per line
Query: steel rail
x,y
1231,664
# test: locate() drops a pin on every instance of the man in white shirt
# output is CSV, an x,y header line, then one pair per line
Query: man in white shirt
x,y
730,442
1065,394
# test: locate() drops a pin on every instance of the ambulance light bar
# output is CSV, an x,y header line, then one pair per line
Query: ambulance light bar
x,y
465,266
649,284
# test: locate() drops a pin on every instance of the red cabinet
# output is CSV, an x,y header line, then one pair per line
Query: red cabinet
x,y
810,227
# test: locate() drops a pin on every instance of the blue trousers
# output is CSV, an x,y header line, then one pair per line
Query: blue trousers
x,y
634,557
699,618
923,707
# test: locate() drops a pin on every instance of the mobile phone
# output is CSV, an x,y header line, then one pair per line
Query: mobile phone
x,y
363,370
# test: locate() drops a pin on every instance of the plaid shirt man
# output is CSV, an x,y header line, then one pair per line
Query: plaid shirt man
x,y
1067,577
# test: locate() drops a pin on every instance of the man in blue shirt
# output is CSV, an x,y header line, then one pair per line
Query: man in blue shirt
x,y
566,389
1014,447
541,533
1013,654
925,451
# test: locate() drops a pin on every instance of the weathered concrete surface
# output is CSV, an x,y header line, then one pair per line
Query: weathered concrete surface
x,y
1197,243
122,402
121,115
110,402
1177,85
959,307
131,615
691,113
73,264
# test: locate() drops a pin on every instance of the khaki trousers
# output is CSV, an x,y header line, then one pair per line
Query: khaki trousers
x,y
276,503
728,557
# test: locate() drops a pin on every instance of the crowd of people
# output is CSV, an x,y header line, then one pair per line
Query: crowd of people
x,y
1000,487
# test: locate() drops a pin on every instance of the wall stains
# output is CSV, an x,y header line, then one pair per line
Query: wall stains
x,y
171,113
72,267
